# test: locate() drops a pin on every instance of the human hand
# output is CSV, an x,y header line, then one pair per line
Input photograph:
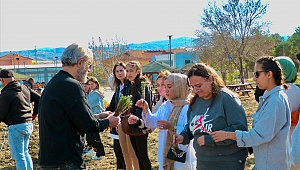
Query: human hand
x,y
177,139
133,119
219,136
144,105
102,115
162,124
113,120
201,140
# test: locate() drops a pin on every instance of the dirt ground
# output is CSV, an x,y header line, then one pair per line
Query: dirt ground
x,y
6,163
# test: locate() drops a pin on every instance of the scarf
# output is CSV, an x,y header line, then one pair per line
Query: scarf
x,y
181,92
289,69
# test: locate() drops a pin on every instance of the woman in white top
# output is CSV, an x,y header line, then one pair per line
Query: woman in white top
x,y
161,88
175,108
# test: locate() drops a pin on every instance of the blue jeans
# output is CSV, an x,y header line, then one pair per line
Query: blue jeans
x,y
18,139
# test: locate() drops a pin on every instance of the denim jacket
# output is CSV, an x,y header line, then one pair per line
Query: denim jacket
x,y
96,101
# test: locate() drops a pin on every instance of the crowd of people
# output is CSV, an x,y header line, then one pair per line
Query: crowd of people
x,y
197,116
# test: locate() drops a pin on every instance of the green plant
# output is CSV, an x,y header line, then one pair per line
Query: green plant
x,y
230,77
124,104
143,88
298,80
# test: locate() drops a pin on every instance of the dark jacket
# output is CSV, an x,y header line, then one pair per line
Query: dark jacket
x,y
64,117
115,100
15,103
136,93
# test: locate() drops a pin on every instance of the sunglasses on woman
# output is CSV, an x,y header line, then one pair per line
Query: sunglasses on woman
x,y
256,73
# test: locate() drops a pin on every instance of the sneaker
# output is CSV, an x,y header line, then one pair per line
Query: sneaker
x,y
90,153
86,150
97,158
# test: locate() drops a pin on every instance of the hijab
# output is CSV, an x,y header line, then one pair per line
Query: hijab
x,y
181,93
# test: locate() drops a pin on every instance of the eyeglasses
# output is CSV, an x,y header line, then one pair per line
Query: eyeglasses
x,y
90,65
196,87
256,73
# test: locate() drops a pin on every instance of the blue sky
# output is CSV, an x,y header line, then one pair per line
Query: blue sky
x,y
58,23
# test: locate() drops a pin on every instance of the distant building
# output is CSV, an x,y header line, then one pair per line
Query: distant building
x,y
40,72
178,59
14,60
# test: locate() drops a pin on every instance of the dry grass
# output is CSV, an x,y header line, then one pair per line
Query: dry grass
x,y
7,163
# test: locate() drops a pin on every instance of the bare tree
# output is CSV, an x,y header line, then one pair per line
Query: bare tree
x,y
232,30
107,54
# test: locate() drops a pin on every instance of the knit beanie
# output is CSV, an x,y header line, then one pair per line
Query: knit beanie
x,y
289,69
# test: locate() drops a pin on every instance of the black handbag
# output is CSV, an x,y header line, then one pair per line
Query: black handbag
x,y
176,154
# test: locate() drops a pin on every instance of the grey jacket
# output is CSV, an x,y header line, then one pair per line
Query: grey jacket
x,y
269,135
295,150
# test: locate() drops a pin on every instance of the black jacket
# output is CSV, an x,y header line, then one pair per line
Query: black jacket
x,y
136,93
15,103
64,117
115,100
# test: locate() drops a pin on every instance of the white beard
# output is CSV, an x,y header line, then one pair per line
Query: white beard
x,y
82,74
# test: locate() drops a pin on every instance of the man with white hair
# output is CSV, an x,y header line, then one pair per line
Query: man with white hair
x,y
64,114
16,113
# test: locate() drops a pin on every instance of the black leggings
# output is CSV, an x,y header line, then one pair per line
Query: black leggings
x,y
140,146
96,143
119,155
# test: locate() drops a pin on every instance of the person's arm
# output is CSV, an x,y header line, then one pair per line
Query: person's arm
x,y
151,119
235,117
182,119
35,97
219,136
148,96
77,107
273,116
137,111
112,105
4,102
101,102
187,135
295,149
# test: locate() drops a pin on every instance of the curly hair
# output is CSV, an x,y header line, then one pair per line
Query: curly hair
x,y
206,71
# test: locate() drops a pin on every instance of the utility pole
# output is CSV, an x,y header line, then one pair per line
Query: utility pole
x,y
35,54
18,64
170,49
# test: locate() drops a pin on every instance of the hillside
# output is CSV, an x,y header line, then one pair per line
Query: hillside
x,y
49,53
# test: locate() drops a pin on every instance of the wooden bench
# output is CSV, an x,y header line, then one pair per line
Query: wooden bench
x,y
244,92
